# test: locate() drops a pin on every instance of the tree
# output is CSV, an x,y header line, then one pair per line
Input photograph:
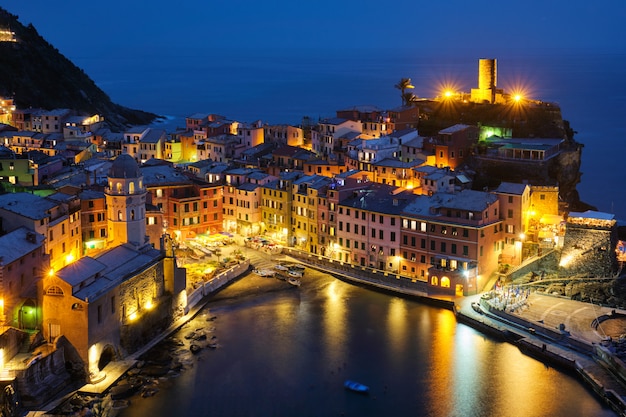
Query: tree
x,y
403,85
409,99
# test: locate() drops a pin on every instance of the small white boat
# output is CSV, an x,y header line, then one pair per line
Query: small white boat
x,y
356,386
294,281
295,274
281,267
264,273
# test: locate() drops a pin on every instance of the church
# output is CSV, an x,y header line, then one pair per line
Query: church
x,y
110,305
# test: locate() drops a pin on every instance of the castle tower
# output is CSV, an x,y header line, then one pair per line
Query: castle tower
x,y
487,74
125,198
487,80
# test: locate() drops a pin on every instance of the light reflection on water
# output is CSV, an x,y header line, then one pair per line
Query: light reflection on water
x,y
288,351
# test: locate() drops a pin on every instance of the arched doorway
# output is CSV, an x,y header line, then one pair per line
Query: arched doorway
x,y
107,355
28,315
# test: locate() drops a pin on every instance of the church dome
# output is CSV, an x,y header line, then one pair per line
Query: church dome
x,y
124,166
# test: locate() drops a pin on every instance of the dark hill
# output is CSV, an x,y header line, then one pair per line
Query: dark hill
x,y
35,74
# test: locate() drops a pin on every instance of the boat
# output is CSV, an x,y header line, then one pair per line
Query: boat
x,y
356,386
281,267
295,274
265,273
294,281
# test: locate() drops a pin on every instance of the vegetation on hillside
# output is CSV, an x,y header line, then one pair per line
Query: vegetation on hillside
x,y
35,74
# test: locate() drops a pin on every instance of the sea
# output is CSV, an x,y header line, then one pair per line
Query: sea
x,y
286,352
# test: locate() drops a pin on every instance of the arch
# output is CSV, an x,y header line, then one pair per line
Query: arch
x,y
118,187
28,314
108,355
132,214
434,280
131,187
119,215
445,282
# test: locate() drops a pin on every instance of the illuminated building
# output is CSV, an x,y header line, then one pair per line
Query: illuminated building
x,y
144,144
515,210
189,205
276,207
57,217
325,137
242,200
23,262
368,224
448,238
307,192
94,223
374,121
452,145
115,302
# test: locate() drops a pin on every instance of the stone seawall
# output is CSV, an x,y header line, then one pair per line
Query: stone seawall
x,y
216,283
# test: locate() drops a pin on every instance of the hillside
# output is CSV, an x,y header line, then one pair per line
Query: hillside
x,y
35,74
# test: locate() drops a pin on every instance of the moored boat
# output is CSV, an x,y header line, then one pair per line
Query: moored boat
x,y
356,386
294,281
265,273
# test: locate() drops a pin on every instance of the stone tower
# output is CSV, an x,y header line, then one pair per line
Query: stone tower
x,y
125,197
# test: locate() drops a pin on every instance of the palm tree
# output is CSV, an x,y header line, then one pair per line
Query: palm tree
x,y
403,85
409,99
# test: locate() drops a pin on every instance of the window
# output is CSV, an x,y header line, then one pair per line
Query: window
x,y
54,290
509,214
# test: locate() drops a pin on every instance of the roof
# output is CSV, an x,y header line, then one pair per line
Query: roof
x,y
467,200
153,136
379,198
248,186
334,121
124,166
26,204
453,129
364,108
511,188
91,278
163,175
18,243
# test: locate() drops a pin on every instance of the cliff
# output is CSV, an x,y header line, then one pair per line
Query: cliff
x,y
35,74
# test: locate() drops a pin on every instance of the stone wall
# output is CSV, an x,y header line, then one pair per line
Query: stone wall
x,y
588,251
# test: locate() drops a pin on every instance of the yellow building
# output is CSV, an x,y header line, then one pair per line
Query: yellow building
x,y
276,203
306,193
57,217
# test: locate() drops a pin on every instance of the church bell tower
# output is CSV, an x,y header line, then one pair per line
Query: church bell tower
x,y
125,197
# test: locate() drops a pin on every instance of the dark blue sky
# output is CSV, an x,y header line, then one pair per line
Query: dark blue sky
x,y
481,27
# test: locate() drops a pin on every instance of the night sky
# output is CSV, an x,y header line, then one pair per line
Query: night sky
x,y
489,27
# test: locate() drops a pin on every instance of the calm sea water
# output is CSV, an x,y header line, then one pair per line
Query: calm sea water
x,y
285,351
284,86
